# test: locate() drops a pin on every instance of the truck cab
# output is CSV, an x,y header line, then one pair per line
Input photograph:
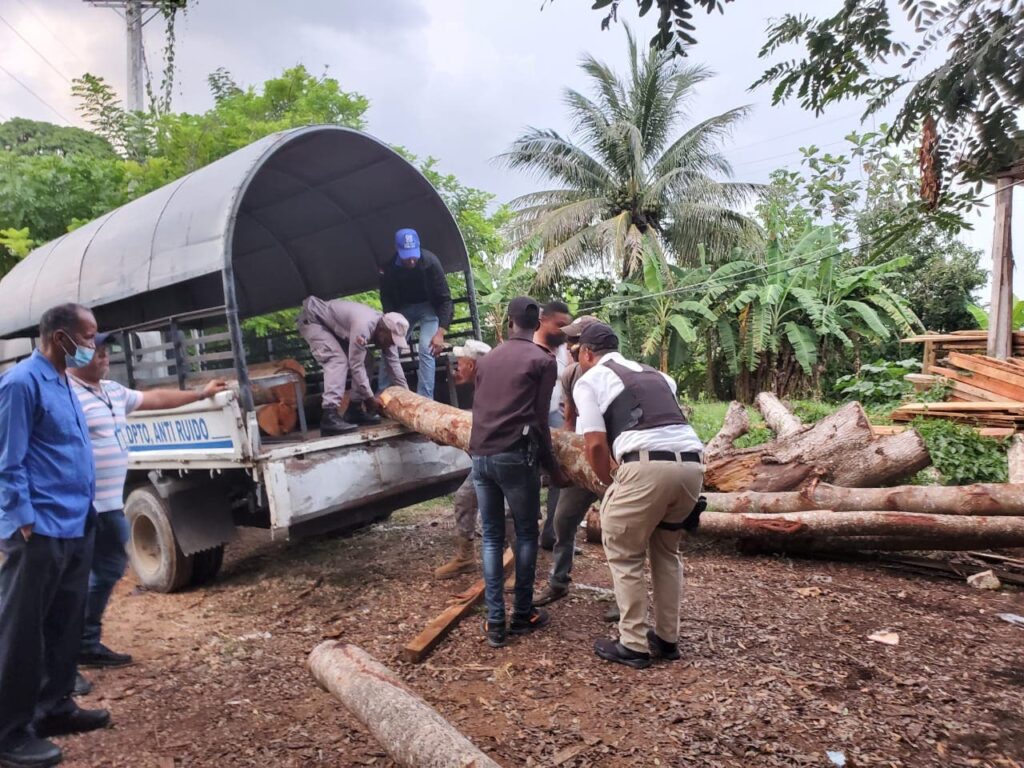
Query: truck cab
x,y
202,279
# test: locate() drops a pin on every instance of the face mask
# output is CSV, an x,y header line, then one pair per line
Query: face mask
x,y
81,357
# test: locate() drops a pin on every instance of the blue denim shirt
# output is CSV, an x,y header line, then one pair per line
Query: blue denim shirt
x,y
47,478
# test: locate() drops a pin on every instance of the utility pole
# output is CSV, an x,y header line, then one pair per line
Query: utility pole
x,y
132,11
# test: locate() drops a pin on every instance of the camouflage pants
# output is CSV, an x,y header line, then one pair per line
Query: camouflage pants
x,y
466,509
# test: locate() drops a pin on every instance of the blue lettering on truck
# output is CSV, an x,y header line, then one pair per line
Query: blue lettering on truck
x,y
187,433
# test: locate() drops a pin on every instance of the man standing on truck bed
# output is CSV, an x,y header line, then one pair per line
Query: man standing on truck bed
x,y
338,333
46,528
106,405
413,283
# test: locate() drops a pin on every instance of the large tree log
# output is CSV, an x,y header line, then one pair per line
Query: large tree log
x,y
735,425
979,499
778,417
840,449
960,542
411,731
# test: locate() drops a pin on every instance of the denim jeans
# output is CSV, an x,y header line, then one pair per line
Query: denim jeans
x,y
109,558
425,317
500,478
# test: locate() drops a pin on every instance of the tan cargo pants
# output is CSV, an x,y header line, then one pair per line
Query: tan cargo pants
x,y
644,494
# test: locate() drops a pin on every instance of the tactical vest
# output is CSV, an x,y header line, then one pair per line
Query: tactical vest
x,y
646,402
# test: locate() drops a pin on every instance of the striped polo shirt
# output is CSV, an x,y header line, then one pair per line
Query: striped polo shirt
x,y
105,408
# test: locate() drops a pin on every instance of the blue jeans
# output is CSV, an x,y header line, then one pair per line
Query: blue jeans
x,y
424,316
109,558
500,478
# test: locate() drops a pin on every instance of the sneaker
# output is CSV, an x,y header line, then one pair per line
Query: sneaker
x,y
613,650
537,619
77,720
101,656
662,649
82,685
497,634
31,753
551,594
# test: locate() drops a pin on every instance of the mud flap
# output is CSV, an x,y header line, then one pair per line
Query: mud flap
x,y
200,514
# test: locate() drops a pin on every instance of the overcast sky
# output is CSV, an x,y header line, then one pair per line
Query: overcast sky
x,y
456,79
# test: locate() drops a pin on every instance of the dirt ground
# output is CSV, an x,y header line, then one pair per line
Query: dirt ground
x,y
777,667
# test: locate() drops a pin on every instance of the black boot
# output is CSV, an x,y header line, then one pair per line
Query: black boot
x,y
661,649
82,686
77,720
31,753
357,414
332,423
101,656
613,650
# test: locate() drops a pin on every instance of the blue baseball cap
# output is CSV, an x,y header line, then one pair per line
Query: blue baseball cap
x,y
407,241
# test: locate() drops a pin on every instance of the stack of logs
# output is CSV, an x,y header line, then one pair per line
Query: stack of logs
x,y
814,488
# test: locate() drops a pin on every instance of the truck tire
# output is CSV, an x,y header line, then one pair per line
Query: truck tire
x,y
206,565
153,549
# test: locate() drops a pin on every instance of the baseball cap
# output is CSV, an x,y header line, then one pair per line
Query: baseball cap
x,y
472,349
399,327
103,338
407,241
599,337
522,306
577,326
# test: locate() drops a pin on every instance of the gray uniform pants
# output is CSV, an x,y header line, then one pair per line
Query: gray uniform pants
x,y
573,503
332,357
466,509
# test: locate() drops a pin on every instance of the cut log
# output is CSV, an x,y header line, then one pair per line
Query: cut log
x,y
821,525
840,449
1015,459
417,649
968,500
836,544
778,417
410,730
277,419
736,424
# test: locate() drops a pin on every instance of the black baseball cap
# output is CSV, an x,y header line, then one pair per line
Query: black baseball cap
x,y
599,337
523,308
106,338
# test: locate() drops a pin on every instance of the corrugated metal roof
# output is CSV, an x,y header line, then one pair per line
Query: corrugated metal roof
x,y
306,211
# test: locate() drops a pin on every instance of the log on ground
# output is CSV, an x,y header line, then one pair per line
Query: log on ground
x,y
410,730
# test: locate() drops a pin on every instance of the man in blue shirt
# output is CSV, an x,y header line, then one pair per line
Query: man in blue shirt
x,y
47,482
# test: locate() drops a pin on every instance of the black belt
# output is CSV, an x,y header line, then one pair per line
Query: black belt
x,y
661,456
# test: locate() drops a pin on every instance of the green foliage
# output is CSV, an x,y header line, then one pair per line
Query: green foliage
x,y
624,183
878,383
975,92
30,138
14,245
980,315
961,455
675,20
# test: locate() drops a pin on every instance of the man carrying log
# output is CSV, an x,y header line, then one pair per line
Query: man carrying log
x,y
510,437
338,333
464,560
635,432
574,501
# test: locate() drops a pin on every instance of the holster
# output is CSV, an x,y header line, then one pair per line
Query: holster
x,y
692,521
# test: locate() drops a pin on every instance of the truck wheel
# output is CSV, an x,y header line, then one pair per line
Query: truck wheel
x,y
153,550
206,565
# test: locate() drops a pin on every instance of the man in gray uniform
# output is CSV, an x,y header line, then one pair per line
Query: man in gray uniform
x,y
338,333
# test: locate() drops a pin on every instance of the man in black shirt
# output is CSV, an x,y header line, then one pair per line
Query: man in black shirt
x,y
413,283
509,440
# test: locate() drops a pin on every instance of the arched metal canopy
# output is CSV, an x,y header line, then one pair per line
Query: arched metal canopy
x,y
305,211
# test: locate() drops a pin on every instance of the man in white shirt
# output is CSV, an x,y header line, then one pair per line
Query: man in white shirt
x,y
639,443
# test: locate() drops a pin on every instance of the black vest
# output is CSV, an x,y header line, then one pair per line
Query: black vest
x,y
646,402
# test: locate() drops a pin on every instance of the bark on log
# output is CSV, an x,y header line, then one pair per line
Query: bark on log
x,y
1015,459
778,417
736,424
959,543
980,499
826,524
409,729
840,449
276,419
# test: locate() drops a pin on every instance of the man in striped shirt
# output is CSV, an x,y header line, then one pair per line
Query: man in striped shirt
x,y
106,405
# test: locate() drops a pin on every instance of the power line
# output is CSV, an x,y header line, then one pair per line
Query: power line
x,y
38,53
53,34
38,97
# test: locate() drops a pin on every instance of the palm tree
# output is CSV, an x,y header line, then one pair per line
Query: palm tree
x,y
623,184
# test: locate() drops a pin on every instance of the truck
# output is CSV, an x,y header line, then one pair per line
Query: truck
x,y
184,275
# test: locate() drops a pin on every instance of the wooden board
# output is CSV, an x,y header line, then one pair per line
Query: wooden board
x,y
895,429
981,386
417,649
1010,406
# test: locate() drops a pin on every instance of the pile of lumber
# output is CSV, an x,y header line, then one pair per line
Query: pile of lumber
x,y
936,344
984,391
815,488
